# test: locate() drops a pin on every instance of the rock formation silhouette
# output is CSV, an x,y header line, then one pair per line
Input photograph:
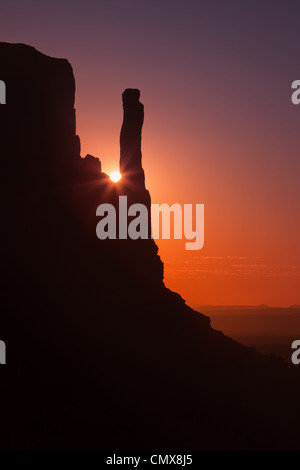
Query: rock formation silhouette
x,y
100,354
131,137
132,184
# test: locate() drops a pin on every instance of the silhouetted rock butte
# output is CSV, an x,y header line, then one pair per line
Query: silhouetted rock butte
x,y
100,353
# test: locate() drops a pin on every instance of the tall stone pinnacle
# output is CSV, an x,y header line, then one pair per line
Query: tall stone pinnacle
x,y
130,138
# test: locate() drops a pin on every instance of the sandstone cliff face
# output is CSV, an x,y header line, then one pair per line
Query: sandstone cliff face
x,y
104,355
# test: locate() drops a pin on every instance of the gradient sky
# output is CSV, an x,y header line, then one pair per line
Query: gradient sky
x,y
220,128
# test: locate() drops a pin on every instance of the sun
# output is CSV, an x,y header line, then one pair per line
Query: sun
x,y
115,176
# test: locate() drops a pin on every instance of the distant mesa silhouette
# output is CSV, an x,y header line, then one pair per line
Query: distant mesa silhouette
x,y
100,354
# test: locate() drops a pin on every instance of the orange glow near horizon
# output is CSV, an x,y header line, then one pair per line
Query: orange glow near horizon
x,y
248,258
236,152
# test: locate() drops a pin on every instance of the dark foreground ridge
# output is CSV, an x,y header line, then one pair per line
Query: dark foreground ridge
x,y
99,353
